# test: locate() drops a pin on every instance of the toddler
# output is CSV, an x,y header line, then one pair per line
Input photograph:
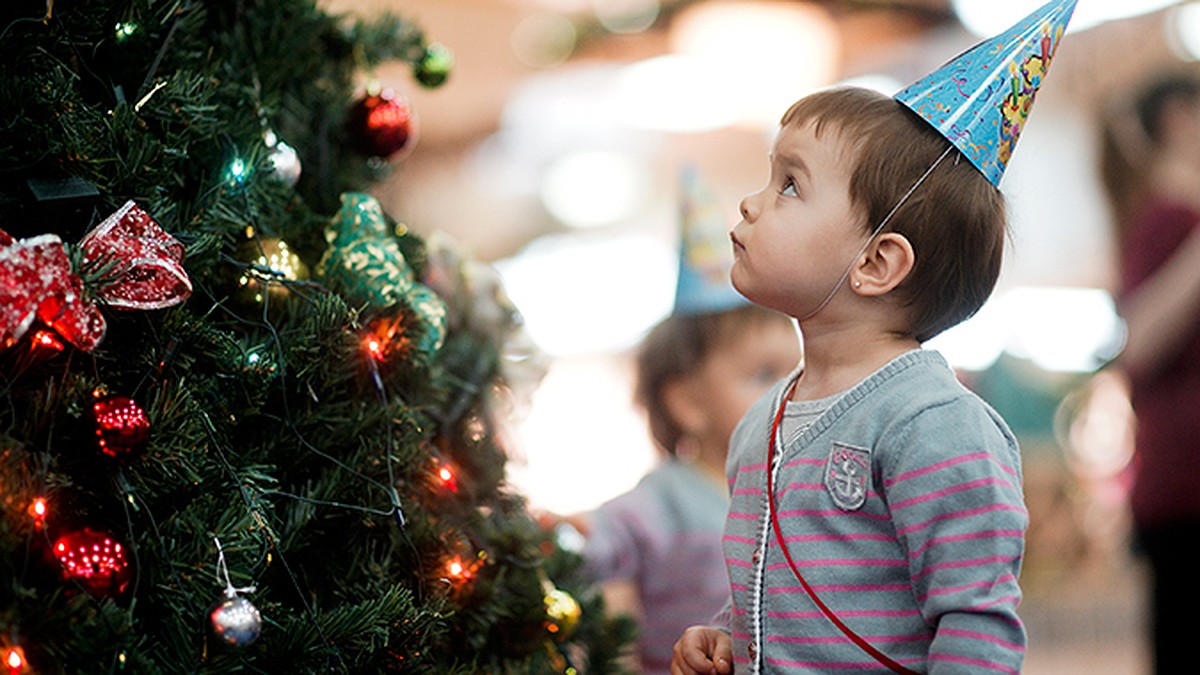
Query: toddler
x,y
877,518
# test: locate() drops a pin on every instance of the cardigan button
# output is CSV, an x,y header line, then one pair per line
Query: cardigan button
x,y
757,555
751,650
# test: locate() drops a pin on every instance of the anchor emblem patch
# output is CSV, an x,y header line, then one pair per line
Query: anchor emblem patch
x,y
848,476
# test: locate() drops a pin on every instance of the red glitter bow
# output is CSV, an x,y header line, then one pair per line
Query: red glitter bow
x,y
36,279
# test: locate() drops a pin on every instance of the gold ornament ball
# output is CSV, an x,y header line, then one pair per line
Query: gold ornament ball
x,y
562,614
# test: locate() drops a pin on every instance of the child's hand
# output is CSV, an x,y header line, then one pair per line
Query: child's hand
x,y
703,651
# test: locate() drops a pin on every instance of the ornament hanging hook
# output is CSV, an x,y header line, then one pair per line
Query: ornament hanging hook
x,y
223,574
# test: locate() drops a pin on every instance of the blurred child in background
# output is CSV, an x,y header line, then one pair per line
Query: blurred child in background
x,y
656,549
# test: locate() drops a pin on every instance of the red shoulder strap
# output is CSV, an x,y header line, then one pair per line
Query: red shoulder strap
x,y
854,637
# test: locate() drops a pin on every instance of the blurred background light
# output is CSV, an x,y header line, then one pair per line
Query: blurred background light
x,y
761,55
581,293
627,16
584,442
673,93
593,188
1065,330
989,17
544,40
884,84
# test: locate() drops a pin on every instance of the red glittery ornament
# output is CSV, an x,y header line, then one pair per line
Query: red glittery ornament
x,y
382,124
121,425
95,561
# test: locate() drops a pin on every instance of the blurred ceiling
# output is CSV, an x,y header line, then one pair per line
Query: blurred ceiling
x,y
431,188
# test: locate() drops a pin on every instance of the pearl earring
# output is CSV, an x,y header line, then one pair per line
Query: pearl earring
x,y
857,283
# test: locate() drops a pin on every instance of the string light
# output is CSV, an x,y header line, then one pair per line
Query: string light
x,y
458,571
446,475
14,658
237,171
37,509
381,340
46,340
125,30
374,346
275,261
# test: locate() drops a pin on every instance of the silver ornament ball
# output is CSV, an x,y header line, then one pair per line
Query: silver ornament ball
x,y
236,621
285,161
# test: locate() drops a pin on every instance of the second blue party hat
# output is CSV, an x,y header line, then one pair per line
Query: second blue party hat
x,y
705,254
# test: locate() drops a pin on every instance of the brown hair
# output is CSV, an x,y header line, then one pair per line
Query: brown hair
x,y
673,349
955,220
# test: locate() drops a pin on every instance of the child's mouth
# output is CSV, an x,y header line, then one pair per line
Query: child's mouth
x,y
737,245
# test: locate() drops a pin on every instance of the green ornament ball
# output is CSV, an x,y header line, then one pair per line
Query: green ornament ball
x,y
433,69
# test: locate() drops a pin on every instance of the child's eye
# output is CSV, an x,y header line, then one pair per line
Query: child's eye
x,y
789,188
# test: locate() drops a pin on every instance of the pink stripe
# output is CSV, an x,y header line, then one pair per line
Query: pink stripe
x,y
739,540
957,564
742,515
962,487
1006,600
874,614
955,515
950,590
833,588
752,467
801,486
805,461
822,666
978,663
826,513
741,492
953,461
836,639
986,534
866,588
984,637
807,538
842,562
734,562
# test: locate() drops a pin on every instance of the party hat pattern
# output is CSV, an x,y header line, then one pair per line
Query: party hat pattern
x,y
981,100
705,255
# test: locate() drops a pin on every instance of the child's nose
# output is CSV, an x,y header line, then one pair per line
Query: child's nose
x,y
747,208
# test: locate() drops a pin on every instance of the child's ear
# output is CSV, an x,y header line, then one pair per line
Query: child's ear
x,y
884,266
679,396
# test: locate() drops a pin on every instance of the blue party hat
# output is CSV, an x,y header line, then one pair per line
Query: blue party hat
x,y
705,254
981,100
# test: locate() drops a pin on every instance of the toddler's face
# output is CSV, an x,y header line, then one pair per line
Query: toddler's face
x,y
800,232
739,369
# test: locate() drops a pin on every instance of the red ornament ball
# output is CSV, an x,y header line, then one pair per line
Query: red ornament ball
x,y
382,124
121,425
95,561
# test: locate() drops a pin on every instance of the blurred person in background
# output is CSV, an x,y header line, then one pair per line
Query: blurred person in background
x,y
1151,168
656,550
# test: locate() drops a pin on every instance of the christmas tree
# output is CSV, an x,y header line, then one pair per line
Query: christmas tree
x,y
248,420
